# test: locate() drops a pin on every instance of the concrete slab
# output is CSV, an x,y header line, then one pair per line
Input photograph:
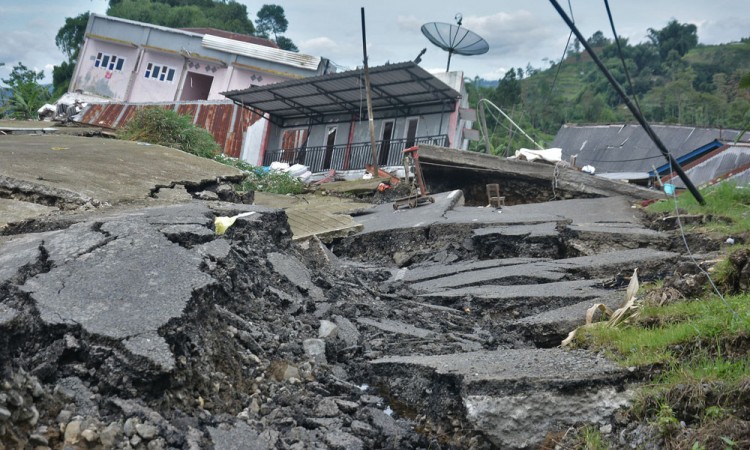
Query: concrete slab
x,y
397,327
107,170
422,273
384,217
325,225
16,210
513,397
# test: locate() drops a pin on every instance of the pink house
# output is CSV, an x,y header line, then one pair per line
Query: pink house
x,y
128,61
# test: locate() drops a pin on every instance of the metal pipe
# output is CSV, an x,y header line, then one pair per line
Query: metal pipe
x,y
639,117
370,119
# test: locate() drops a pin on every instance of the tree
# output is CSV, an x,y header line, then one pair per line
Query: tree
x,y
27,95
680,37
508,91
271,20
285,43
69,40
227,15
597,40
70,37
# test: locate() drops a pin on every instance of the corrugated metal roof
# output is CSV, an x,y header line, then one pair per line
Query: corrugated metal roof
x,y
724,163
226,121
400,86
261,52
627,148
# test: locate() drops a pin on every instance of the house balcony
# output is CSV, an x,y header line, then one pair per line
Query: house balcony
x,y
350,156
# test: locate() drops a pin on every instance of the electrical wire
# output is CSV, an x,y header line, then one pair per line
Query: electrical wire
x,y
622,58
690,253
562,58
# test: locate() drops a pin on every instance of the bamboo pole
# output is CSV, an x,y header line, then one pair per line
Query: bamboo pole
x,y
370,119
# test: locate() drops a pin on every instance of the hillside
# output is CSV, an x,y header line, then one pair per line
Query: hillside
x,y
675,79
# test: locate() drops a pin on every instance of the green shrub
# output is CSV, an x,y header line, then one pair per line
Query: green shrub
x,y
261,180
165,127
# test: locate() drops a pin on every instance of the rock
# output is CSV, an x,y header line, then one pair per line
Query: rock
x,y
64,417
348,332
327,329
402,259
146,431
110,435
206,195
4,414
157,444
72,432
135,440
327,408
360,427
341,440
38,439
90,435
315,349
346,405
129,427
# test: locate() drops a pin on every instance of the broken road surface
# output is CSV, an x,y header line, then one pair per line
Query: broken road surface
x,y
432,327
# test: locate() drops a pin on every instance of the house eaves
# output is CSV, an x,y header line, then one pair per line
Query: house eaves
x,y
401,88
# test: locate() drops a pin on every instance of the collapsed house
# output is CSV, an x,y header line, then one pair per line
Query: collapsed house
x,y
625,151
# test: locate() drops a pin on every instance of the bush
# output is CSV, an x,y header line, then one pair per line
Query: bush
x,y
262,180
166,127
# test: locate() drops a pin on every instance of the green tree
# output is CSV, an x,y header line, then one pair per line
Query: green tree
x,y
272,20
228,15
69,40
27,95
680,37
597,40
508,90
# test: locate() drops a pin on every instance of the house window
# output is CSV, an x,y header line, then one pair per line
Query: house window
x,y
161,73
109,62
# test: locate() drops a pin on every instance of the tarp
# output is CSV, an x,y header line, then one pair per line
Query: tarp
x,y
552,155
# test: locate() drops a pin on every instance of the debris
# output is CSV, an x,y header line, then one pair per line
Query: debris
x,y
222,223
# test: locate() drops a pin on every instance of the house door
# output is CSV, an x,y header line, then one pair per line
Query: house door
x,y
330,142
291,143
411,132
196,86
385,142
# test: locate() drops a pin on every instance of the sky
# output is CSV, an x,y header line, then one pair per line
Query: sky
x,y
519,32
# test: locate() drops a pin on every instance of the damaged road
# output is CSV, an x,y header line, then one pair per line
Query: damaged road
x,y
432,327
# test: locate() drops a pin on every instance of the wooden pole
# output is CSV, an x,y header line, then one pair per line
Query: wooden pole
x,y
370,119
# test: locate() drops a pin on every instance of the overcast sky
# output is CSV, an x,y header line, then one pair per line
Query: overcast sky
x,y
518,31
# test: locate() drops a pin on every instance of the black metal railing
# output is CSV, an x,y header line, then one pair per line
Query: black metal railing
x,y
350,157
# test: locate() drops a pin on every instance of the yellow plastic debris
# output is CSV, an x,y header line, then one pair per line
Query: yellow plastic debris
x,y
222,223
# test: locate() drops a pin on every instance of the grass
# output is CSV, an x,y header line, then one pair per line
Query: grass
x,y
693,353
165,127
726,203
262,180
660,333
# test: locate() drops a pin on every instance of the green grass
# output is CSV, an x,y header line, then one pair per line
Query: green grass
x,y
660,334
727,203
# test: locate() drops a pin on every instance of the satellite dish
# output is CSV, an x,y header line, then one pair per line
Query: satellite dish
x,y
454,39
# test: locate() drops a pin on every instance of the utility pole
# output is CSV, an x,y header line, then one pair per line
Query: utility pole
x,y
636,113
370,119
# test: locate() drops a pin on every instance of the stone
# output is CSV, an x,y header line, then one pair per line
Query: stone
x,y
90,435
110,434
348,332
346,405
157,444
129,427
146,431
4,414
327,408
315,349
135,440
327,329
341,440
72,432
38,439
360,427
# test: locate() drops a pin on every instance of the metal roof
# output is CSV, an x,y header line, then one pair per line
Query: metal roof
x,y
726,162
627,148
263,52
401,87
